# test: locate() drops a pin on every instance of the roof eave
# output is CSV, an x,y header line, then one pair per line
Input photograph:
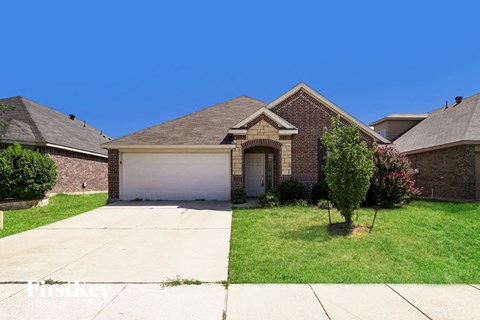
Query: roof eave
x,y
440,146
167,146
396,119
52,145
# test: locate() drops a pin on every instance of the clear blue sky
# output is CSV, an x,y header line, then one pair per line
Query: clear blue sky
x,y
124,66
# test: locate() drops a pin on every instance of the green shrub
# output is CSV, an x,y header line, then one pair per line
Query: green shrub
x,y
300,203
320,191
268,200
349,167
239,196
290,190
25,174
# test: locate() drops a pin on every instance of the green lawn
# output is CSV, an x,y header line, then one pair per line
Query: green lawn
x,y
425,242
60,207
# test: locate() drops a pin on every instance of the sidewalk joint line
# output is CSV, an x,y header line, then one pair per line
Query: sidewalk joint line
x,y
409,302
321,304
13,294
225,305
471,285
101,310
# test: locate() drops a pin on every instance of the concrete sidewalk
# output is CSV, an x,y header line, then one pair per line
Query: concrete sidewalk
x,y
369,302
214,301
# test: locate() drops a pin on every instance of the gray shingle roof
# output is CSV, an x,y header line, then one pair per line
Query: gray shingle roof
x,y
208,126
442,126
34,123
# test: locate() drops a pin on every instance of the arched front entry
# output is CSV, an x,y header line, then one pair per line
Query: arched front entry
x,y
261,159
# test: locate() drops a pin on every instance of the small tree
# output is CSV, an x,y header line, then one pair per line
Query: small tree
x,y
25,174
393,182
349,167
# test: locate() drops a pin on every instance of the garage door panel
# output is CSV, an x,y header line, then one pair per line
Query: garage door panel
x,y
175,176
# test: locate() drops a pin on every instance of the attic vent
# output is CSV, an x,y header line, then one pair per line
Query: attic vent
x,y
458,99
72,117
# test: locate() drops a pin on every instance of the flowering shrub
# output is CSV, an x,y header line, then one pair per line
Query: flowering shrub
x,y
393,182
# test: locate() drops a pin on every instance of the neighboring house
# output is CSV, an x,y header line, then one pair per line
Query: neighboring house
x,y
394,125
241,143
444,148
73,145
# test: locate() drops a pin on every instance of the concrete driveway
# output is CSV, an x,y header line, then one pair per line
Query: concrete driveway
x,y
125,242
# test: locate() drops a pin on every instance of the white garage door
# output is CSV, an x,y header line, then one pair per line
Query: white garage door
x,y
175,176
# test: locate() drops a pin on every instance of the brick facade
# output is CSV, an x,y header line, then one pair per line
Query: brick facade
x,y
311,118
74,169
449,172
113,174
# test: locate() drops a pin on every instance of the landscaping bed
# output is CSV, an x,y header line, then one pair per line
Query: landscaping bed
x,y
425,242
60,207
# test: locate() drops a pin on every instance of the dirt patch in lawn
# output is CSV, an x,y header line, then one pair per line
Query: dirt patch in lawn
x,y
349,230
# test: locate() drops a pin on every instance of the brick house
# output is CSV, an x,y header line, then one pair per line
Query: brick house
x,y
82,165
444,147
241,143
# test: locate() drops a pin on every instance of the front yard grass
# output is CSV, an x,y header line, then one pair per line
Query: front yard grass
x,y
424,242
60,207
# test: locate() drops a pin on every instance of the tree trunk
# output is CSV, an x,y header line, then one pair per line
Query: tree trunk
x,y
348,219
329,217
374,218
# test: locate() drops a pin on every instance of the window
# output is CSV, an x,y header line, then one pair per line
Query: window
x,y
383,132
269,179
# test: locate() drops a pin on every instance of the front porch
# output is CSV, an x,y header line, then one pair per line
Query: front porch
x,y
263,153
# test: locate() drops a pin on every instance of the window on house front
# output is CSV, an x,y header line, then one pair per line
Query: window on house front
x,y
269,177
383,132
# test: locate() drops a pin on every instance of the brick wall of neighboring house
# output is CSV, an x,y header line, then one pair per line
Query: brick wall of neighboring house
x,y
450,172
113,175
310,117
74,169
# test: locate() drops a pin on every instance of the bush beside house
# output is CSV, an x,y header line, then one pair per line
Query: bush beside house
x,y
393,182
25,174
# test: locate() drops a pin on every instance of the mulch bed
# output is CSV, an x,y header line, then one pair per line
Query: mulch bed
x,y
349,230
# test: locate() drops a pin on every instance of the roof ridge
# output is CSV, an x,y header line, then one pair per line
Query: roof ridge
x,y
187,115
32,121
249,97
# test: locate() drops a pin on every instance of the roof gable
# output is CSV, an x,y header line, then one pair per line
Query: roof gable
x,y
32,123
330,105
264,111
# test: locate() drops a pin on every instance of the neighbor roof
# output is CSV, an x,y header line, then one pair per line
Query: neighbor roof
x,y
208,126
32,123
453,124
401,116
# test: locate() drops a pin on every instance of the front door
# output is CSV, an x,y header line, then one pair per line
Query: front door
x,y
254,174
